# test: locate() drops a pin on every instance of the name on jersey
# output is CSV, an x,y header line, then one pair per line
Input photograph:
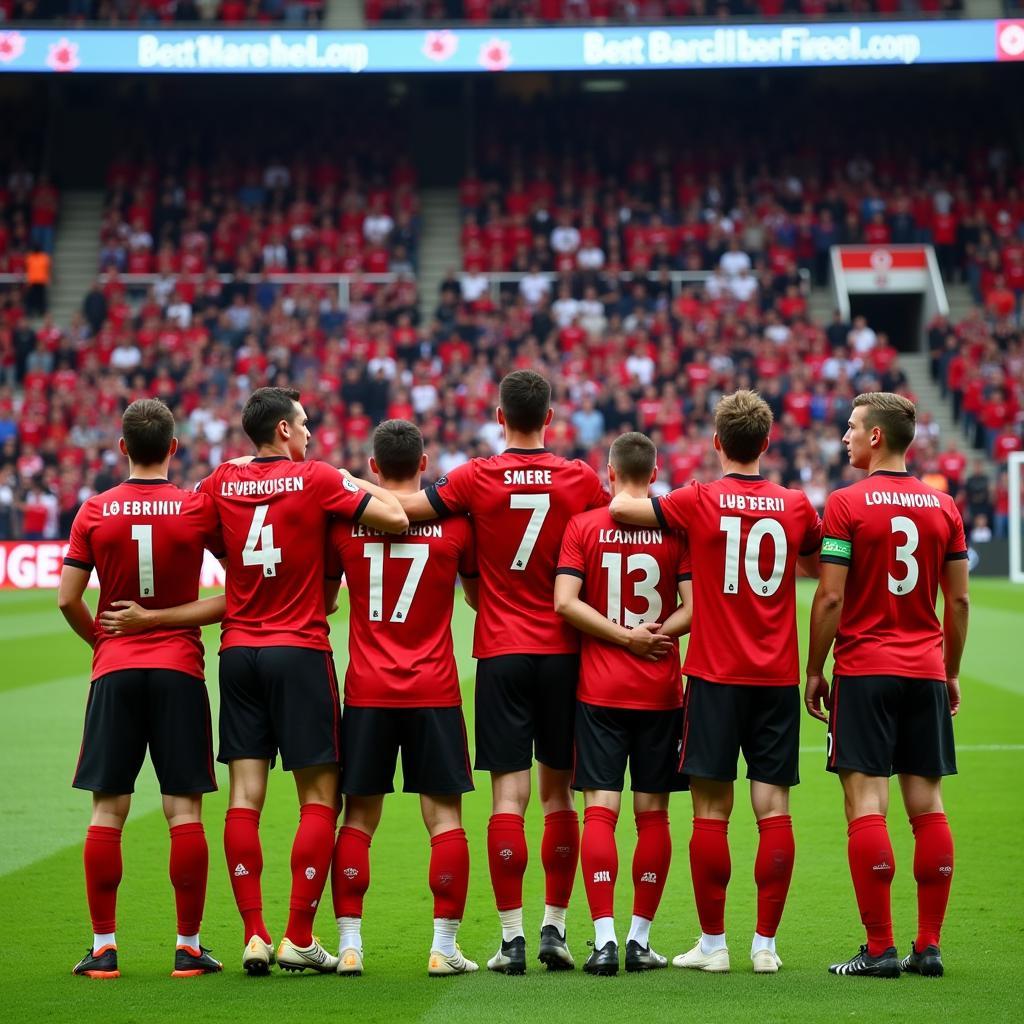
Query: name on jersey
x,y
902,499
521,477
751,503
142,508
415,530
248,488
630,537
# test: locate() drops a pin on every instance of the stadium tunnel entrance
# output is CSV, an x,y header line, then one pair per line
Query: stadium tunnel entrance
x,y
900,316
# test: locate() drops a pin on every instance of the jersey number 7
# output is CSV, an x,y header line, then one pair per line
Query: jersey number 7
x,y
539,506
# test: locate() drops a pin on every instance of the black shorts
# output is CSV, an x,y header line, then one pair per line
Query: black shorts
x,y
525,703
723,719
890,725
166,710
606,738
279,699
435,754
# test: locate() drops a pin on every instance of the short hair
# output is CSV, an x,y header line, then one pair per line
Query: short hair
x,y
265,408
397,449
148,429
633,457
525,398
893,414
743,421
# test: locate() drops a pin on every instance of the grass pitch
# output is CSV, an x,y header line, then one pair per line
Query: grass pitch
x,y
43,680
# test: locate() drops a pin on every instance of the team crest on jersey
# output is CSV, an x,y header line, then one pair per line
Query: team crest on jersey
x,y
348,485
441,481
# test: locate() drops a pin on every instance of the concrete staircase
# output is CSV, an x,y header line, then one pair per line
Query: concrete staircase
x,y
440,246
929,399
76,254
344,14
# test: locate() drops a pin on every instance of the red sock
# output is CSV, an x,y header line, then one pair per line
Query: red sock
x,y
350,871
559,853
773,871
189,868
600,860
449,873
244,857
311,860
872,866
710,868
933,872
506,857
103,867
651,859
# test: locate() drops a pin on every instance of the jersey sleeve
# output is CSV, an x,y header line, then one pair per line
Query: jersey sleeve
x,y
599,497
333,568
837,531
468,568
570,560
675,509
213,541
684,566
811,542
957,546
80,554
339,495
453,492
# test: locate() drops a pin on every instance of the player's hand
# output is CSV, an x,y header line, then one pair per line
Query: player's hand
x,y
128,618
953,689
242,460
646,642
815,695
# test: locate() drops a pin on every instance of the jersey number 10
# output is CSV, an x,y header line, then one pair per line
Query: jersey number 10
x,y
761,586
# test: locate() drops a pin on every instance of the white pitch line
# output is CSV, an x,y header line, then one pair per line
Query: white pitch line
x,y
965,748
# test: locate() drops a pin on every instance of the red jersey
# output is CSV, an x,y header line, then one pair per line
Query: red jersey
x,y
745,535
274,516
145,539
401,596
895,534
630,575
521,502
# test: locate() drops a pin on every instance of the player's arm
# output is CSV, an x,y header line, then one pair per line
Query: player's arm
x,y
808,565
680,621
127,617
331,590
383,511
70,600
417,506
635,511
825,613
471,591
954,624
645,641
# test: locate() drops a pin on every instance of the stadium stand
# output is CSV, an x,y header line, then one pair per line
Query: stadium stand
x,y
165,12
630,11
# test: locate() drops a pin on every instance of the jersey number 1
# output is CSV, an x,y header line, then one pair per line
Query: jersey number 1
x,y
143,537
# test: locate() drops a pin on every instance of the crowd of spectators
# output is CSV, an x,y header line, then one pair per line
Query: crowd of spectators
x,y
630,11
645,204
165,12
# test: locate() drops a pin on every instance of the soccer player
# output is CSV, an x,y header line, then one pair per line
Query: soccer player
x,y
747,536
618,586
402,692
527,654
278,689
890,543
145,538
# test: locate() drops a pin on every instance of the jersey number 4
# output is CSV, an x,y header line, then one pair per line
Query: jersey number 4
x,y
259,545
417,554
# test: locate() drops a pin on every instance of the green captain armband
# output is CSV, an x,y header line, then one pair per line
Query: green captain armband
x,y
836,548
